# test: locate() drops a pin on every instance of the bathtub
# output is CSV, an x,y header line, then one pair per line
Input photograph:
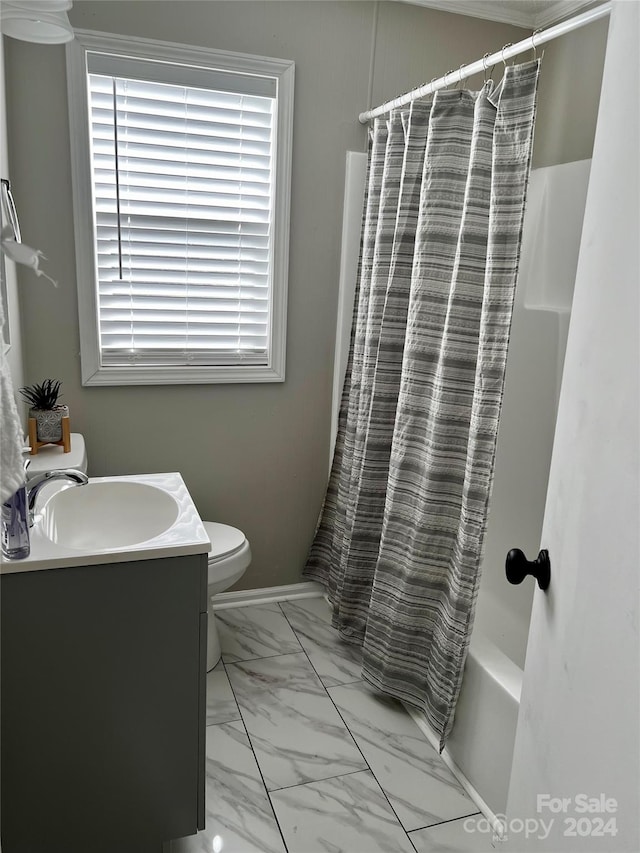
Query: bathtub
x,y
482,739
479,750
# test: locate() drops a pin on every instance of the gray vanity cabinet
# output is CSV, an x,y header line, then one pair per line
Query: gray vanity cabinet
x,y
103,706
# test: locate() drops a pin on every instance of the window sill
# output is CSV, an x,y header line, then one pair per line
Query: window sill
x,y
183,375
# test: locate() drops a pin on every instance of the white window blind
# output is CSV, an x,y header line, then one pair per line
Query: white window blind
x,y
183,186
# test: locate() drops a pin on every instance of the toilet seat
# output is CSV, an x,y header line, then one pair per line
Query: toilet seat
x,y
228,558
225,540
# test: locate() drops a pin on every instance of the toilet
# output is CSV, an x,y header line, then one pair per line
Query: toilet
x,y
52,456
229,557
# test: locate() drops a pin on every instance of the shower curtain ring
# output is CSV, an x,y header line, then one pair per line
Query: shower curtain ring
x,y
508,44
533,43
460,78
450,71
484,65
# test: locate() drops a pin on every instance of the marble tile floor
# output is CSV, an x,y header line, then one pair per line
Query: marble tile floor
x,y
302,756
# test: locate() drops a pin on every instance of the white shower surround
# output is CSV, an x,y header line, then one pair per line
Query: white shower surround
x,y
550,245
482,741
480,748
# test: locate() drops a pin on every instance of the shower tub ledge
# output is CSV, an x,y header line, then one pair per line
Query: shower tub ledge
x,y
480,748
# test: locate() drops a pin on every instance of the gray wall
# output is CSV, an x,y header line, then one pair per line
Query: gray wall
x,y
252,455
14,356
569,95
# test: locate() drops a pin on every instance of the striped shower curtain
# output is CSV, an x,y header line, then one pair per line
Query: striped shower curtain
x,y
399,542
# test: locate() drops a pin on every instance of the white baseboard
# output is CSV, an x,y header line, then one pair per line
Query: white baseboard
x,y
247,597
494,820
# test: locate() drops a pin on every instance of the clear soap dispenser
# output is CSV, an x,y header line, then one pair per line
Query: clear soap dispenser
x,y
15,524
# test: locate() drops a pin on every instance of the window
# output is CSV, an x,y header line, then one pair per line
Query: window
x,y
181,170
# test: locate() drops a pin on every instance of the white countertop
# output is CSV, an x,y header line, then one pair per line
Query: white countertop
x,y
185,536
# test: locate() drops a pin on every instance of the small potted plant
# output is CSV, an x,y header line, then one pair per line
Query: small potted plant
x,y
45,409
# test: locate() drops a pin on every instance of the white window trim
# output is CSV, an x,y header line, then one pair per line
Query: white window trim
x,y
93,372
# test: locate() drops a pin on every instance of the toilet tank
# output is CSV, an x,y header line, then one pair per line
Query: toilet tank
x,y
52,457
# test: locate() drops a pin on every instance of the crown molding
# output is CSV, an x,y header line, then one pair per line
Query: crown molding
x,y
560,10
515,12
489,10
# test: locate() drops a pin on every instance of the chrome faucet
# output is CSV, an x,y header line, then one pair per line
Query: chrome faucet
x,y
36,483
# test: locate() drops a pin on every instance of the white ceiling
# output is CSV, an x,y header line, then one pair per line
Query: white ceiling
x,y
532,14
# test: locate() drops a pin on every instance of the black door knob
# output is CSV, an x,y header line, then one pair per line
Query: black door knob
x,y
518,567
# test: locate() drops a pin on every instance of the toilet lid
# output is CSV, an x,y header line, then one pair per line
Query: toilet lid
x,y
225,540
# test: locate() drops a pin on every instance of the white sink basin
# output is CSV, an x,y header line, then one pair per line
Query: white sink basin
x,y
108,514
112,520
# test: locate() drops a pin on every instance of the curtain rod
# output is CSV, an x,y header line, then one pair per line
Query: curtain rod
x,y
507,52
